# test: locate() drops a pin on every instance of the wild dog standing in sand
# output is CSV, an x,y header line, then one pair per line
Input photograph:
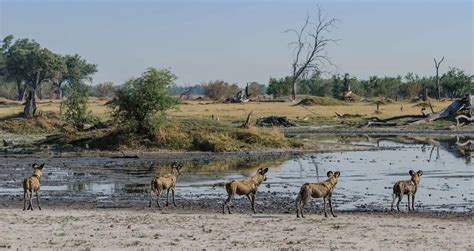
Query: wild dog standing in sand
x,y
317,190
246,187
166,182
408,187
32,184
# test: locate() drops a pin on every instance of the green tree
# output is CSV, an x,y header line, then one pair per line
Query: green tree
x,y
31,66
256,89
76,105
280,87
77,70
456,83
220,90
140,99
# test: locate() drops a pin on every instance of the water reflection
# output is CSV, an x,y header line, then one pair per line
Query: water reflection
x,y
366,176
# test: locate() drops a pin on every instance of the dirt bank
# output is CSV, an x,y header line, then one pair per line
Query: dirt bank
x,y
145,229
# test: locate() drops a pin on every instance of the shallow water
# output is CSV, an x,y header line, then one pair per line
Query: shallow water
x,y
366,178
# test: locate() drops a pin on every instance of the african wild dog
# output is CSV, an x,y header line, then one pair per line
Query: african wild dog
x,y
408,187
168,182
317,190
32,184
246,187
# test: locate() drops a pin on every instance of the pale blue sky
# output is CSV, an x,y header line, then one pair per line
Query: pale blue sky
x,y
243,41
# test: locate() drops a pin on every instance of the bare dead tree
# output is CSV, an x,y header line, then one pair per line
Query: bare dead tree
x,y
437,64
310,47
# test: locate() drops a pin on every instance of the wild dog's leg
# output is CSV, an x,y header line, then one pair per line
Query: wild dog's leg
x,y
324,206
24,200
330,206
253,202
158,193
250,199
38,200
173,191
394,196
408,205
298,203
398,202
230,199
31,200
226,203
167,196
151,197
230,195
305,201
151,192
412,202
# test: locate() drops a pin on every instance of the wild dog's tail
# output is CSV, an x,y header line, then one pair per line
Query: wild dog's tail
x,y
397,189
300,195
220,184
26,185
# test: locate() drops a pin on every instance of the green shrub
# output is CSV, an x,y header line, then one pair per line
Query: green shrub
x,y
76,106
142,103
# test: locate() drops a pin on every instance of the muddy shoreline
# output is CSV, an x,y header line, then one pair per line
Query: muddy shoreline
x,y
150,230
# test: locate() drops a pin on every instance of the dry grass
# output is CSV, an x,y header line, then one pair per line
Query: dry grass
x,y
240,111
232,112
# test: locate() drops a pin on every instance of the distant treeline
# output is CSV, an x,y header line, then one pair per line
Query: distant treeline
x,y
454,83
28,70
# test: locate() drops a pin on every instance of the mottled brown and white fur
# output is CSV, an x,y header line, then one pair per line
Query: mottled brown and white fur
x,y
32,185
166,182
246,187
408,187
317,190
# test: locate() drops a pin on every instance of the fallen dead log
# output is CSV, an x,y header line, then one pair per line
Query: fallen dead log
x,y
459,117
396,118
449,111
377,123
274,121
124,156
347,115
247,121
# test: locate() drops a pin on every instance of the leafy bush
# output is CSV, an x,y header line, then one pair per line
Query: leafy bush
x,y
141,99
76,106
220,90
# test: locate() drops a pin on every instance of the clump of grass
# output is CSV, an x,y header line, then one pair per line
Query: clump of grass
x,y
41,124
322,101
190,135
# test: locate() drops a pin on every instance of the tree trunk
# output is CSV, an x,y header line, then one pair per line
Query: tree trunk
x,y
30,106
20,90
438,86
425,93
40,92
293,92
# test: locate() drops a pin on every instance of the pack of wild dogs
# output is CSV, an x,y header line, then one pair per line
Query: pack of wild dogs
x,y
247,187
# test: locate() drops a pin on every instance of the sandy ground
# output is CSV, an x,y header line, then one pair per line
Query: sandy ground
x,y
153,229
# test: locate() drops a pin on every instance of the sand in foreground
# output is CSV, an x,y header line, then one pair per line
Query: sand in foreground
x,y
143,229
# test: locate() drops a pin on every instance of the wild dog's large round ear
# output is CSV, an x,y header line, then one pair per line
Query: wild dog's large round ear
x,y
337,174
411,172
259,170
264,171
419,172
330,173
42,165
